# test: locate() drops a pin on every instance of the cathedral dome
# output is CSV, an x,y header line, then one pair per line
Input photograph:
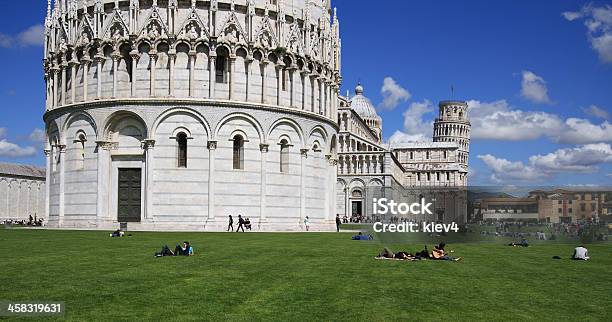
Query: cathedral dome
x,y
363,106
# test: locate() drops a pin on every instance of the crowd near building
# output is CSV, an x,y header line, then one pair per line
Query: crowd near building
x,y
175,114
22,192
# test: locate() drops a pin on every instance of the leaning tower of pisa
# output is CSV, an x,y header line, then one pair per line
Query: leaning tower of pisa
x,y
453,125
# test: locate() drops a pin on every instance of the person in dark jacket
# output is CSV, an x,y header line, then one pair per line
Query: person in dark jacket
x,y
338,223
231,223
240,223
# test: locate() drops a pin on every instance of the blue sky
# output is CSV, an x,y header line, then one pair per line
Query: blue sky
x,y
537,74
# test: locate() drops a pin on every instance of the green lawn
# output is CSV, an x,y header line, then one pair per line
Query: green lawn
x,y
297,276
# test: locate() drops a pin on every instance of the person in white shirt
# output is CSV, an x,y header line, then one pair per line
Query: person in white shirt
x,y
307,223
580,253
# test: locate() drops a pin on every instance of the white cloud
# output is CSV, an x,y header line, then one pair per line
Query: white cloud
x,y
582,159
32,36
581,131
12,150
393,94
499,121
37,136
579,159
414,122
401,137
533,88
598,21
597,111
572,15
504,170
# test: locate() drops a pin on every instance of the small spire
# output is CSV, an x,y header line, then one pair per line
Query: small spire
x,y
193,4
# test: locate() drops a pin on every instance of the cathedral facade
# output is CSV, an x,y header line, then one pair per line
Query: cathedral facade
x,y
174,114
368,169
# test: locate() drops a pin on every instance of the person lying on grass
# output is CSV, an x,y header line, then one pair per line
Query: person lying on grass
x,y
439,253
361,236
185,250
388,254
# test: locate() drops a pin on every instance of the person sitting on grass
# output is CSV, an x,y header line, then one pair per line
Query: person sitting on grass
x,y
580,253
440,254
247,224
117,233
523,243
185,250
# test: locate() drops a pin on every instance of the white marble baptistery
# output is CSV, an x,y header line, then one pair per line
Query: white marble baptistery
x,y
174,114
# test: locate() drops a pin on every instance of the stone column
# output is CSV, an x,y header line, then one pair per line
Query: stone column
x,y
99,58
148,146
171,57
248,61
85,62
192,60
64,66
304,154
263,191
115,57
292,96
332,179
153,56
55,85
47,183
135,57
102,212
303,77
212,146
347,200
279,70
231,85
62,184
73,64
212,78
264,64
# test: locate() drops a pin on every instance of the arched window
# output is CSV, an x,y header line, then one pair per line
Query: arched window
x,y
284,156
80,150
181,140
220,69
238,155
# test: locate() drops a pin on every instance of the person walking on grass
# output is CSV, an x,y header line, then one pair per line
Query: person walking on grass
x,y
307,223
338,223
231,223
240,223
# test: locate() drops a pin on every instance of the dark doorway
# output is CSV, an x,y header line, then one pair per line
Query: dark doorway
x,y
130,186
356,208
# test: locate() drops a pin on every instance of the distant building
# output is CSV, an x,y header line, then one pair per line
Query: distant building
x,y
22,191
568,206
506,208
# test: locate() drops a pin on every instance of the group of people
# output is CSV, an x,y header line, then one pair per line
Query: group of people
x,y
438,253
31,221
242,223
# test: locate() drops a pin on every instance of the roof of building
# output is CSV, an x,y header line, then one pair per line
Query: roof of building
x,y
22,170
423,145
362,105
